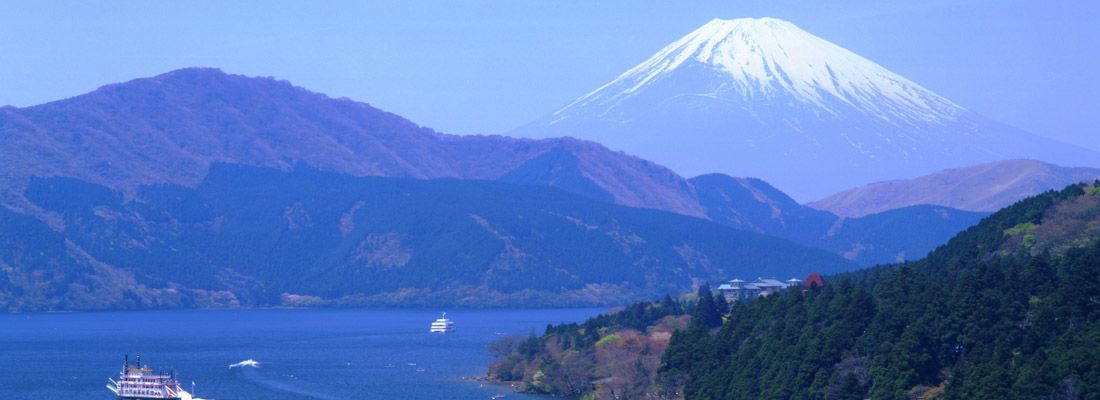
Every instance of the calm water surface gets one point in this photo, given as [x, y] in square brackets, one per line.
[304, 354]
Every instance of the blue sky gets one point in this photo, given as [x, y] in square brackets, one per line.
[489, 66]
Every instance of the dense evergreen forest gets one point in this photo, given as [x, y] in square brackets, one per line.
[1009, 309]
[250, 236]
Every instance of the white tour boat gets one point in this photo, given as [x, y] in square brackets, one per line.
[139, 382]
[442, 325]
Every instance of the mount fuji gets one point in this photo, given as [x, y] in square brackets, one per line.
[764, 98]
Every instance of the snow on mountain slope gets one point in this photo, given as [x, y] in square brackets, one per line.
[762, 97]
[765, 57]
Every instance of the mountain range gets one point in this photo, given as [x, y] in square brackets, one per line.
[172, 127]
[252, 236]
[986, 187]
[136, 195]
[904, 233]
[764, 98]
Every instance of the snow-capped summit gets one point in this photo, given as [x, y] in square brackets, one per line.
[762, 97]
[768, 57]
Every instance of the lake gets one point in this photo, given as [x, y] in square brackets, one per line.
[303, 354]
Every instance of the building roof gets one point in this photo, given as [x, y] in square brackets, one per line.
[768, 282]
[814, 279]
[747, 286]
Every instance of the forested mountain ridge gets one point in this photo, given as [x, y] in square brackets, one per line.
[170, 128]
[1008, 309]
[906, 233]
[988, 315]
[249, 236]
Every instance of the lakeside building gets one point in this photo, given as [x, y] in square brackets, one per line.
[737, 289]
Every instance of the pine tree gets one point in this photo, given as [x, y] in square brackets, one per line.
[706, 311]
[721, 305]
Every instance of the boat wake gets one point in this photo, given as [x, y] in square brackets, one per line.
[246, 363]
[255, 376]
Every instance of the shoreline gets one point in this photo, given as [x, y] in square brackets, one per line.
[512, 386]
[268, 308]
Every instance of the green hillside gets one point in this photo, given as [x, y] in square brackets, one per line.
[1009, 309]
[249, 236]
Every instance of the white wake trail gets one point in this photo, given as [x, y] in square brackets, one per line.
[246, 363]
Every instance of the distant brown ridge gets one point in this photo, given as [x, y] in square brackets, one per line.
[983, 187]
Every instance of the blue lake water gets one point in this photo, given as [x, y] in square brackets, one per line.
[303, 354]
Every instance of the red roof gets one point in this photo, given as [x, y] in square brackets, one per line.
[813, 279]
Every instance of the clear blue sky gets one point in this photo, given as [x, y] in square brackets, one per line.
[489, 66]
